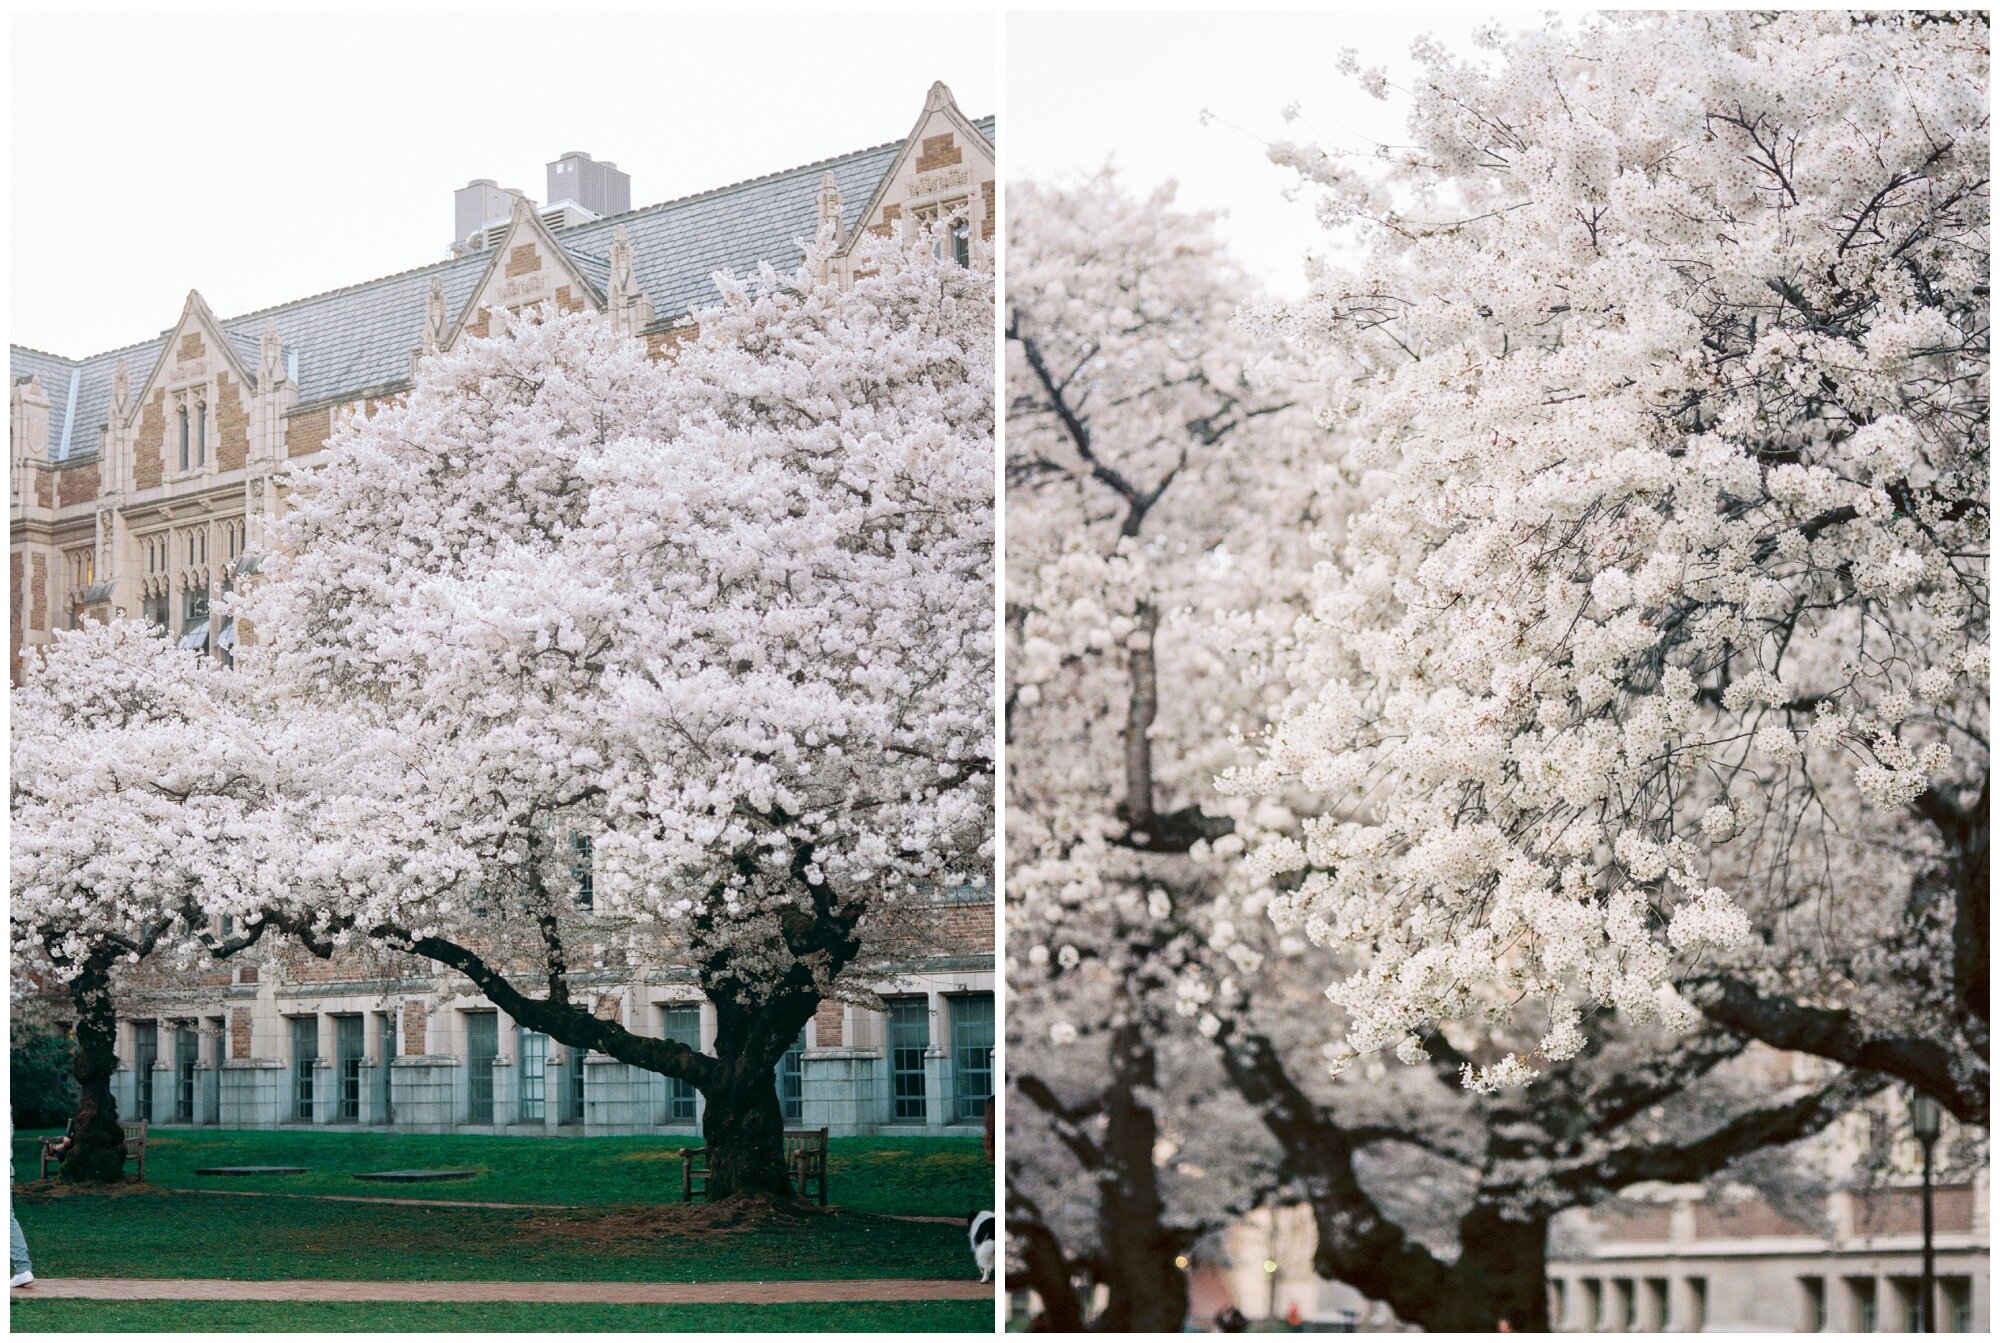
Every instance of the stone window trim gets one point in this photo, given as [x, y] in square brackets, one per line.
[188, 432]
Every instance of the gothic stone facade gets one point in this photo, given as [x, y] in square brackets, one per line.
[145, 482]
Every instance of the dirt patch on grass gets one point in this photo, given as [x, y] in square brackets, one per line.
[667, 1221]
[50, 1190]
[668, 1154]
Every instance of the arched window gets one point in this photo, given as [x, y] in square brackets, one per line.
[184, 435]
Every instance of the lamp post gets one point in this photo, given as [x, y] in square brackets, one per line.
[1926, 1119]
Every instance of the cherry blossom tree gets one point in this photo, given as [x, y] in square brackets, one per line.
[154, 807]
[715, 632]
[1168, 1046]
[1151, 488]
[1652, 679]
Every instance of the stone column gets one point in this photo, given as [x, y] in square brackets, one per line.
[937, 1071]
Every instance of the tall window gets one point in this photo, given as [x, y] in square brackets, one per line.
[482, 1046]
[1861, 1305]
[534, 1076]
[1698, 1305]
[145, 1054]
[183, 418]
[200, 431]
[572, 1111]
[683, 1025]
[194, 618]
[1812, 1294]
[187, 1051]
[972, 1053]
[961, 242]
[1957, 1312]
[385, 1095]
[305, 1054]
[1909, 1303]
[909, 1038]
[580, 873]
[792, 1081]
[348, 1054]
[1621, 1304]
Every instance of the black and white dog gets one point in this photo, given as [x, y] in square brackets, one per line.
[979, 1226]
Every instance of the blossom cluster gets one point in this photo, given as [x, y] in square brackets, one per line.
[1666, 349]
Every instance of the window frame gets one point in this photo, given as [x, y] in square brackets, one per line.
[959, 1026]
[904, 1013]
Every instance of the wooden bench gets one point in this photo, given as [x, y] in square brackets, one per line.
[805, 1162]
[135, 1147]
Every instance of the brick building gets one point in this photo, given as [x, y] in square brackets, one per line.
[1685, 1263]
[144, 482]
[1689, 1258]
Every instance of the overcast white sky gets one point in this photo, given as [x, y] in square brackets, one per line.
[262, 157]
[1084, 87]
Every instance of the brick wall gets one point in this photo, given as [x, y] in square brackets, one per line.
[986, 193]
[890, 214]
[190, 347]
[1653, 1223]
[1899, 1212]
[968, 926]
[38, 592]
[416, 1027]
[939, 151]
[308, 431]
[239, 1032]
[45, 486]
[232, 425]
[663, 344]
[523, 260]
[78, 484]
[827, 1022]
[148, 460]
[1743, 1220]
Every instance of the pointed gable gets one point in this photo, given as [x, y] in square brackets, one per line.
[195, 350]
[946, 164]
[528, 267]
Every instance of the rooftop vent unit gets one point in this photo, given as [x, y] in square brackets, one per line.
[597, 189]
[566, 214]
[481, 210]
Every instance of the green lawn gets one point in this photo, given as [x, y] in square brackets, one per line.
[135, 1233]
[911, 1176]
[390, 1317]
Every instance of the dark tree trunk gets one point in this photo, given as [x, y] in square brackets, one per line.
[1147, 1290]
[744, 1128]
[1049, 1277]
[742, 1122]
[1500, 1277]
[98, 1156]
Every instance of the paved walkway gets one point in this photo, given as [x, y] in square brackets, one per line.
[462, 1203]
[577, 1293]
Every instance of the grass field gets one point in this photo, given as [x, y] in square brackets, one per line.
[946, 1177]
[26, 1315]
[624, 1223]
[137, 1234]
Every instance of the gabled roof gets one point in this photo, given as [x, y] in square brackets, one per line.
[525, 220]
[358, 339]
[937, 102]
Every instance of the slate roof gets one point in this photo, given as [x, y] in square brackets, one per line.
[352, 340]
